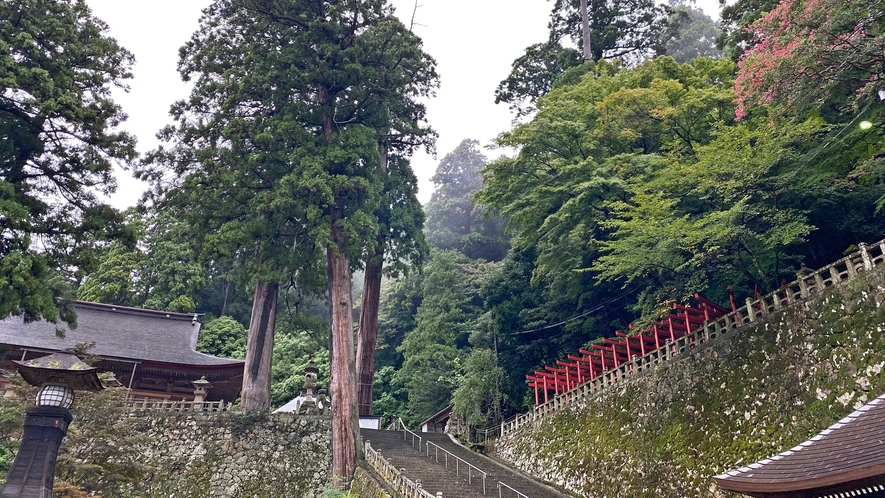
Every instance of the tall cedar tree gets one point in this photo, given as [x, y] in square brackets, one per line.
[276, 158]
[401, 128]
[57, 68]
[628, 30]
[454, 221]
[399, 241]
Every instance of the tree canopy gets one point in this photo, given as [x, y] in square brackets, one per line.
[60, 142]
[625, 30]
[454, 221]
[808, 52]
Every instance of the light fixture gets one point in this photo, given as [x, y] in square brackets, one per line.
[53, 395]
[33, 471]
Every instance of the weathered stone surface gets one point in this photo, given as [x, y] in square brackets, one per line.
[740, 399]
[236, 455]
[365, 486]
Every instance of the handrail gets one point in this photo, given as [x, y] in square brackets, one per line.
[806, 284]
[392, 476]
[407, 431]
[458, 462]
[500, 491]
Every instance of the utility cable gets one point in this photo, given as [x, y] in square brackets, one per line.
[585, 313]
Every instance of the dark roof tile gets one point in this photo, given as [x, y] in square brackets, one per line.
[851, 449]
[118, 332]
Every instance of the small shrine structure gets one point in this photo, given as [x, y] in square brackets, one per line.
[847, 459]
[153, 353]
[438, 421]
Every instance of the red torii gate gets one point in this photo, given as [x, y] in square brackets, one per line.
[612, 352]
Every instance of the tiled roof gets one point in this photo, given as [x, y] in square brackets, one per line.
[118, 332]
[850, 450]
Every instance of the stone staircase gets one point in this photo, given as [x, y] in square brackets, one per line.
[453, 479]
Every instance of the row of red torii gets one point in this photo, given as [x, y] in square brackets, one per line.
[624, 347]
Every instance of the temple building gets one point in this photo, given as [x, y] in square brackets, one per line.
[153, 353]
[847, 459]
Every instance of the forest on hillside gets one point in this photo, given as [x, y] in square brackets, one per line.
[674, 155]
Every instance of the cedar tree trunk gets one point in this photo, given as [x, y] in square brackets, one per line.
[259, 348]
[367, 336]
[368, 331]
[345, 421]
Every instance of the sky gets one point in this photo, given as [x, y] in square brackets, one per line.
[473, 41]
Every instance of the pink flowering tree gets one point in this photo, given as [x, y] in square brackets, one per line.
[806, 51]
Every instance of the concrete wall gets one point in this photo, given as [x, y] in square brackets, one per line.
[746, 397]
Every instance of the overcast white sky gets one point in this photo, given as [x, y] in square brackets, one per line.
[473, 42]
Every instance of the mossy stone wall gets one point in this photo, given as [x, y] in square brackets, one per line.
[365, 485]
[750, 395]
[236, 455]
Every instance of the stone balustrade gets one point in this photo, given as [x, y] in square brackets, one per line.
[153, 405]
[807, 283]
[393, 477]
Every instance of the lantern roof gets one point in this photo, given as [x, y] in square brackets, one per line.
[63, 369]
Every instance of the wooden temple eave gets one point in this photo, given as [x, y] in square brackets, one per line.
[150, 378]
[869, 481]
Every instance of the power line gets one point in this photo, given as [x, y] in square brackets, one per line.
[592, 310]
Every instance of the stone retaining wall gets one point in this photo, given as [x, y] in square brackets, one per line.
[365, 485]
[236, 455]
[768, 387]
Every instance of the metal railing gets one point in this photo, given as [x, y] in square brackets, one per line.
[459, 462]
[393, 477]
[147, 404]
[407, 432]
[501, 494]
[807, 283]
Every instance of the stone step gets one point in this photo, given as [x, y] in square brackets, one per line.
[417, 467]
[452, 481]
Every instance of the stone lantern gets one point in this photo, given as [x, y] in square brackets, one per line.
[310, 382]
[58, 375]
[310, 378]
[201, 387]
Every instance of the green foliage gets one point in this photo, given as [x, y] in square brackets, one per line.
[309, 174]
[690, 32]
[690, 225]
[628, 30]
[577, 152]
[292, 353]
[399, 304]
[157, 271]
[735, 20]
[534, 74]
[224, 337]
[12, 411]
[98, 455]
[478, 399]
[454, 222]
[329, 492]
[440, 308]
[57, 119]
